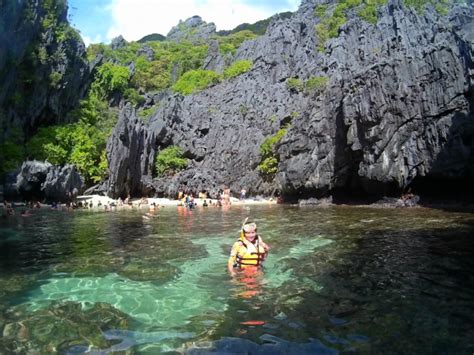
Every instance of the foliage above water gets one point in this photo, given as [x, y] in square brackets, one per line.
[82, 143]
[170, 161]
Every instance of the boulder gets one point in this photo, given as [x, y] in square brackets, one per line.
[41, 180]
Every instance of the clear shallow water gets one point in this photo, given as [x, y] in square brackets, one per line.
[337, 279]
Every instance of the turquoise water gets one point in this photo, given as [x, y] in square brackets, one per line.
[337, 279]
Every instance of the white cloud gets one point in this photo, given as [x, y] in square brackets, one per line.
[88, 40]
[134, 19]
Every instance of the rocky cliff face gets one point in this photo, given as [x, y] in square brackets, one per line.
[43, 67]
[194, 29]
[396, 105]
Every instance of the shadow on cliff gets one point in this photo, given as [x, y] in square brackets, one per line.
[450, 181]
[447, 185]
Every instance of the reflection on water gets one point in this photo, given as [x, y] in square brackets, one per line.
[337, 279]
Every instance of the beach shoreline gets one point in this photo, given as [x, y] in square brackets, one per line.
[98, 200]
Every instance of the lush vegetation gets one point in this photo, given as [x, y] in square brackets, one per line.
[170, 160]
[329, 25]
[239, 67]
[268, 166]
[81, 143]
[195, 80]
[110, 79]
[125, 72]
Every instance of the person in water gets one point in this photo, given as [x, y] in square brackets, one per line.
[249, 251]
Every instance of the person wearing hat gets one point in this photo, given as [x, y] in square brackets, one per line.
[249, 251]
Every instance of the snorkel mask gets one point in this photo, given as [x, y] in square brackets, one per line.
[246, 228]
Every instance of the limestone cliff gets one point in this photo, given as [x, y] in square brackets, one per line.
[392, 104]
[43, 66]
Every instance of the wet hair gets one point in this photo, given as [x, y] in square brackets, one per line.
[249, 227]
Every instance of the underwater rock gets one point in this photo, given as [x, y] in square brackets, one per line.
[59, 327]
[139, 272]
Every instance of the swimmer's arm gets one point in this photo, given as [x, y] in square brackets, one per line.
[232, 258]
[263, 244]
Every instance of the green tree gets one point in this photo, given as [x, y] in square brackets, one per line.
[110, 78]
[79, 143]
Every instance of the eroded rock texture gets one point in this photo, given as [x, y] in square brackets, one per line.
[396, 106]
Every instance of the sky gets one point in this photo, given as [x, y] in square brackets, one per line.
[102, 20]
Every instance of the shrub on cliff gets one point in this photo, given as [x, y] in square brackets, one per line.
[268, 166]
[196, 80]
[230, 43]
[239, 67]
[294, 84]
[170, 161]
[316, 83]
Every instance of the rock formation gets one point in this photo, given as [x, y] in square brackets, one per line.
[395, 105]
[41, 180]
[194, 29]
[43, 70]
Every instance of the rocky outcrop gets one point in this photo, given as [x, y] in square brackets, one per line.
[395, 104]
[41, 180]
[43, 69]
[118, 42]
[147, 52]
[126, 154]
[215, 61]
[194, 30]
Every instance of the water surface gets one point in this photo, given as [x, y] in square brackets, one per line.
[337, 279]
